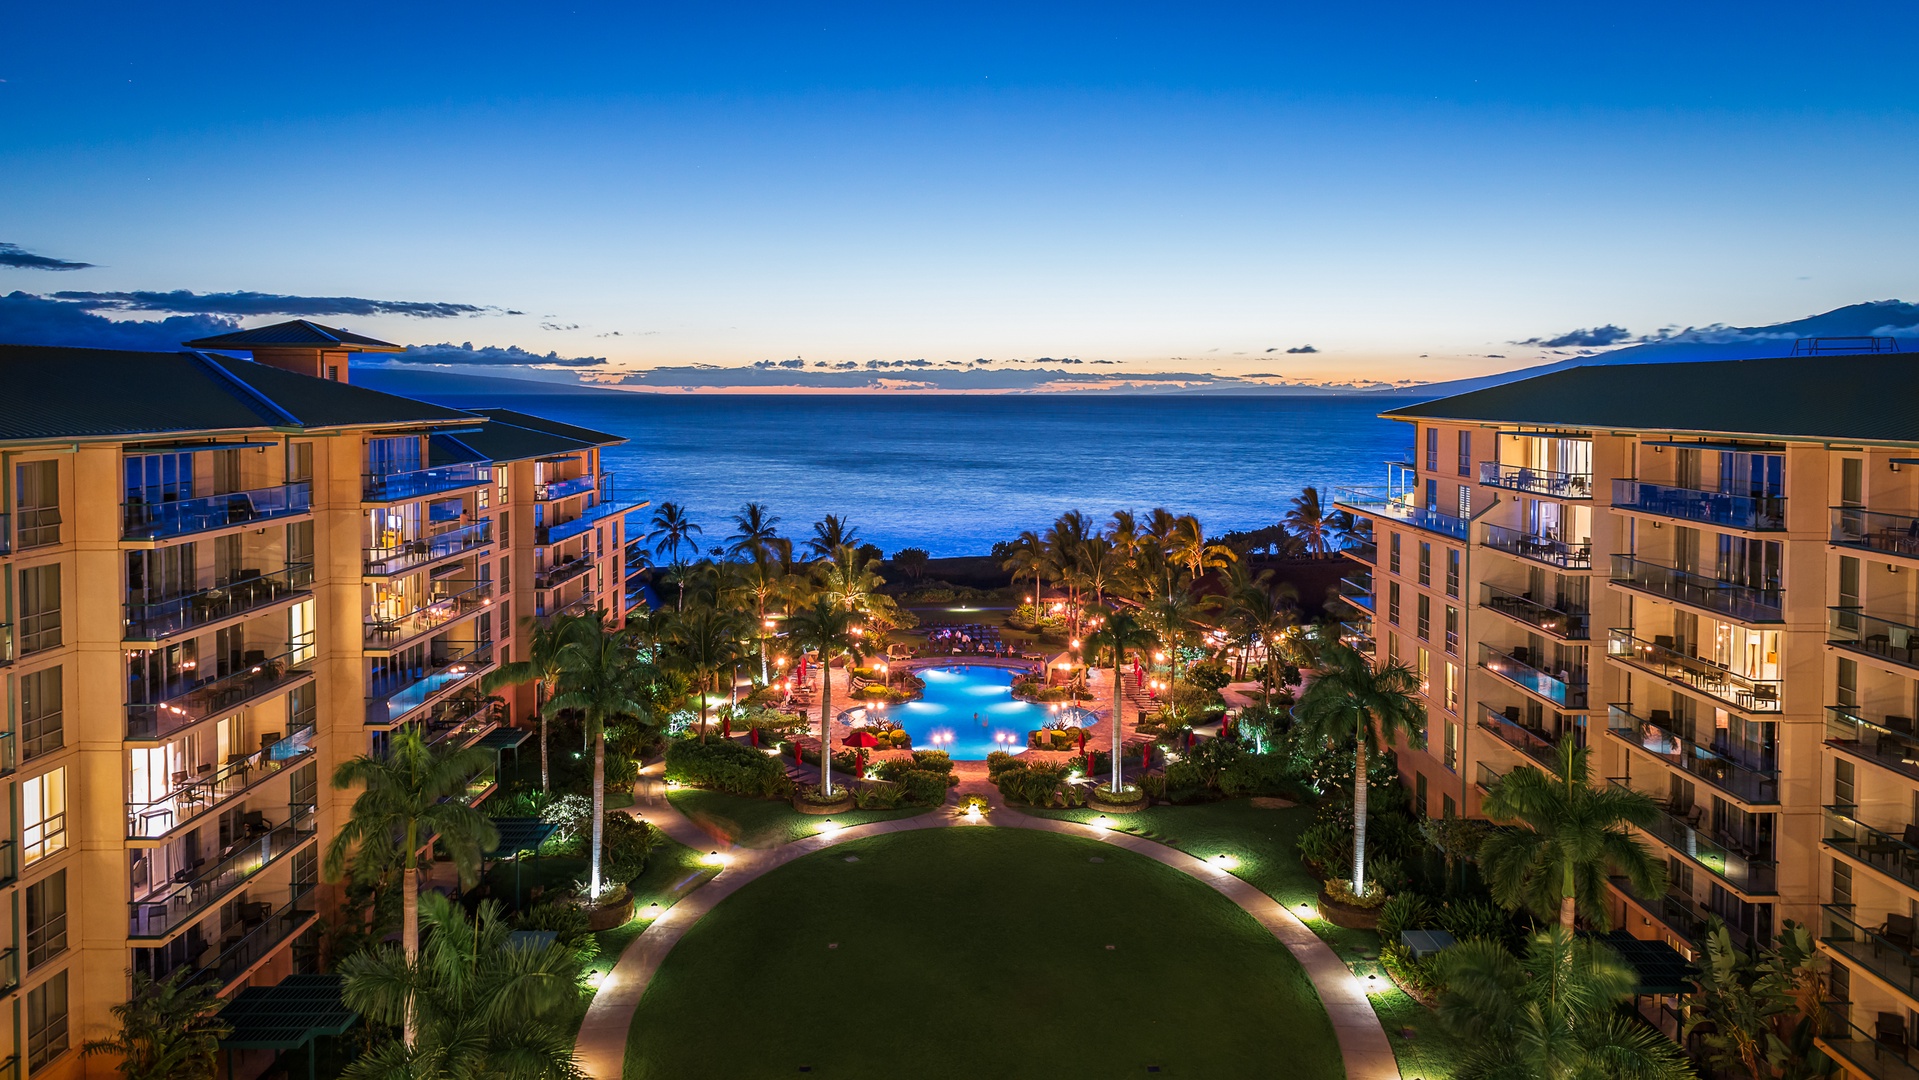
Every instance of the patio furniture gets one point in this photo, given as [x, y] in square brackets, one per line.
[1897, 930]
[1889, 1030]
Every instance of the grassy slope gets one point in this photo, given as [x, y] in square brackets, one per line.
[766, 823]
[979, 953]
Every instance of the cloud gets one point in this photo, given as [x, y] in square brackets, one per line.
[26, 319]
[20, 258]
[559, 326]
[1300, 350]
[484, 356]
[1597, 336]
[187, 302]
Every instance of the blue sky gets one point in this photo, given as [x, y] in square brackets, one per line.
[1406, 188]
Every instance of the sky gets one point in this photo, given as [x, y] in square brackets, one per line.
[668, 195]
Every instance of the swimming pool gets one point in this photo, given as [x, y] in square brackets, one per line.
[971, 703]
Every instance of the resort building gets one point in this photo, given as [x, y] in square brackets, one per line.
[1707, 573]
[223, 577]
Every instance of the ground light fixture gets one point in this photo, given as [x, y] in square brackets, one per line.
[1102, 822]
[1225, 862]
[829, 826]
[972, 812]
[714, 858]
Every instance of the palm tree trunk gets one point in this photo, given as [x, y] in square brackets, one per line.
[826, 722]
[1359, 817]
[546, 772]
[1567, 903]
[1118, 659]
[410, 921]
[599, 805]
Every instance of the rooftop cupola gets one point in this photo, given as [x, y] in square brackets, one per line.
[301, 346]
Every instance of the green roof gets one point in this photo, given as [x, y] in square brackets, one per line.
[287, 1015]
[1864, 398]
[552, 427]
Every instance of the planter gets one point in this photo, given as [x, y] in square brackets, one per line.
[839, 805]
[608, 916]
[1105, 806]
[1350, 916]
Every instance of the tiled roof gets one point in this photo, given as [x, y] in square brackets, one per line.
[553, 427]
[499, 441]
[296, 333]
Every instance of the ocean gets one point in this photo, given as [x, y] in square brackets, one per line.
[954, 474]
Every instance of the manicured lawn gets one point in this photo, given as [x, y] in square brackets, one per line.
[1433, 1053]
[973, 953]
[766, 823]
[672, 871]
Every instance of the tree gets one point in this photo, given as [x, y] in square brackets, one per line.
[601, 678]
[1310, 522]
[484, 1004]
[849, 578]
[672, 536]
[830, 534]
[1759, 1013]
[755, 528]
[1188, 547]
[912, 562]
[1262, 610]
[169, 1030]
[1574, 836]
[1172, 615]
[1551, 1014]
[829, 628]
[1028, 556]
[1351, 698]
[406, 798]
[707, 640]
[544, 640]
[1119, 634]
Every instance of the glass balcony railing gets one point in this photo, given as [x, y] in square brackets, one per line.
[1740, 603]
[1551, 550]
[172, 706]
[1678, 911]
[584, 604]
[1851, 628]
[1750, 872]
[481, 785]
[393, 695]
[1555, 485]
[1889, 742]
[1868, 1055]
[156, 619]
[1566, 689]
[398, 556]
[1362, 548]
[1357, 634]
[9, 862]
[1716, 680]
[451, 600]
[1755, 513]
[1485, 775]
[196, 889]
[1400, 507]
[560, 573]
[1563, 620]
[1507, 729]
[1718, 766]
[391, 487]
[256, 940]
[1872, 530]
[1357, 594]
[1895, 856]
[566, 530]
[190, 798]
[460, 718]
[560, 489]
[1867, 945]
[145, 520]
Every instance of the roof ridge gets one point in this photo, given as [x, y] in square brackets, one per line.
[247, 388]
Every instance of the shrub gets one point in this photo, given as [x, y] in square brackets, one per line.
[998, 762]
[1406, 911]
[924, 786]
[1469, 919]
[936, 760]
[878, 796]
[1327, 846]
[625, 845]
[1389, 871]
[571, 813]
[565, 920]
[900, 739]
[1417, 977]
[724, 765]
[1257, 774]
[1208, 675]
[1341, 891]
[1101, 764]
[1185, 782]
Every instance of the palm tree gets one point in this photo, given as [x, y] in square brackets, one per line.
[673, 533]
[169, 1030]
[602, 679]
[1575, 835]
[1028, 556]
[1552, 1013]
[830, 534]
[1119, 634]
[484, 1003]
[544, 640]
[707, 640]
[1350, 697]
[829, 628]
[1188, 547]
[765, 578]
[1310, 522]
[1172, 616]
[406, 798]
[912, 562]
[849, 579]
[1098, 562]
[1263, 610]
[754, 530]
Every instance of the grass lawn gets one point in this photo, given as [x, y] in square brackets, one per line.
[978, 952]
[672, 871]
[1433, 1053]
[766, 823]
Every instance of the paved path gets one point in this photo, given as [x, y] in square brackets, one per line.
[601, 1049]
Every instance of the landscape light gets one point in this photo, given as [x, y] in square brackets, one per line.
[1102, 822]
[829, 826]
[972, 811]
[714, 858]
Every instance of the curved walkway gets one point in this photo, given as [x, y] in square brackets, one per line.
[601, 1048]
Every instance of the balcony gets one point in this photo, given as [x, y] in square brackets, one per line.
[1869, 947]
[1715, 765]
[1658, 657]
[583, 604]
[1740, 603]
[390, 697]
[6, 643]
[1356, 594]
[1850, 628]
[193, 798]
[560, 573]
[1554, 485]
[182, 703]
[451, 600]
[1363, 549]
[1505, 727]
[159, 619]
[567, 530]
[1753, 513]
[1888, 742]
[394, 487]
[1871, 530]
[1864, 1055]
[144, 520]
[193, 892]
[461, 718]
[1357, 634]
[1897, 857]
[1747, 871]
[1400, 507]
[1485, 776]
[1686, 917]
[400, 556]
[1567, 690]
[1564, 622]
[1551, 550]
[481, 785]
[259, 936]
[560, 489]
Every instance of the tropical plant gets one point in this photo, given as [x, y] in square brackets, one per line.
[406, 798]
[483, 1004]
[755, 529]
[1571, 836]
[1350, 698]
[1309, 520]
[1120, 633]
[1188, 547]
[705, 640]
[848, 578]
[1028, 556]
[602, 680]
[912, 562]
[1262, 611]
[544, 639]
[1757, 1014]
[673, 535]
[830, 534]
[831, 630]
[1551, 1014]
[169, 1030]
[1173, 615]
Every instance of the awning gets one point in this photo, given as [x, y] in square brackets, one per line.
[288, 1015]
[504, 738]
[1661, 969]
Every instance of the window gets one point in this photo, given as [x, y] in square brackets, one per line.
[1465, 453]
[1452, 572]
[37, 499]
[299, 462]
[47, 1021]
[39, 602]
[1843, 791]
[389, 457]
[1465, 501]
[43, 814]
[42, 730]
[1452, 687]
[1848, 688]
[1425, 563]
[1852, 483]
[1392, 648]
[1419, 794]
[1392, 602]
[1452, 629]
[1432, 449]
[46, 919]
[1425, 617]
[1425, 671]
[506, 528]
[300, 632]
[1432, 495]
[1452, 749]
[1392, 552]
[1841, 883]
[1446, 806]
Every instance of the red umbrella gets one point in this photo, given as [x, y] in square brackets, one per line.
[753, 736]
[860, 739]
[726, 727]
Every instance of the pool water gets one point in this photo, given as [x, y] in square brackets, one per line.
[971, 703]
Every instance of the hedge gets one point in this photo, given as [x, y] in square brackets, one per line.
[724, 765]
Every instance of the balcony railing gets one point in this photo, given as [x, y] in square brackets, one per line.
[1872, 530]
[1680, 913]
[193, 798]
[145, 520]
[1889, 742]
[1356, 594]
[1485, 775]
[1534, 744]
[393, 558]
[1754, 513]
[1851, 628]
[183, 702]
[1400, 507]
[481, 785]
[1868, 947]
[1747, 871]
[1741, 603]
[1567, 689]
[237, 954]
[1556, 485]
[1895, 856]
[1565, 622]
[1716, 680]
[560, 489]
[1363, 549]
[195, 890]
[583, 604]
[1357, 634]
[1717, 766]
[460, 717]
[391, 697]
[566, 530]
[561, 573]
[1865, 1054]
[391, 487]
[1550, 550]
[156, 619]
[451, 600]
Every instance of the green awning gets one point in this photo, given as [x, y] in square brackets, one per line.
[504, 738]
[288, 1015]
[519, 834]
[1661, 969]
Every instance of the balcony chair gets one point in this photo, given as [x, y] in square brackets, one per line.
[1889, 1031]
[1512, 713]
[1662, 641]
[1897, 931]
[1900, 724]
[256, 823]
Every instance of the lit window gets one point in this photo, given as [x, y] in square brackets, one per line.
[43, 809]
